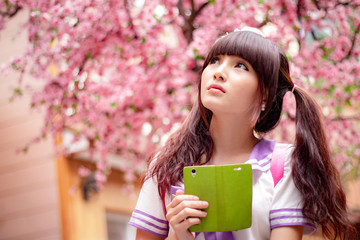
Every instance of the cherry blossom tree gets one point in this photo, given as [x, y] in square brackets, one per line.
[123, 73]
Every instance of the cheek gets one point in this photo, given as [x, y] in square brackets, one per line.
[255, 91]
[203, 81]
[247, 95]
[253, 86]
[247, 87]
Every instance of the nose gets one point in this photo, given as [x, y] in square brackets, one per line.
[220, 73]
[219, 76]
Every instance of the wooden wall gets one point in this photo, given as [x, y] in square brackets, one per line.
[87, 219]
[29, 205]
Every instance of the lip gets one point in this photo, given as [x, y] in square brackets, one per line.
[216, 87]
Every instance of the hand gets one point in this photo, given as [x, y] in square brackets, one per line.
[183, 212]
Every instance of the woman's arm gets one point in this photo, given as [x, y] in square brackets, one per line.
[182, 212]
[143, 235]
[285, 233]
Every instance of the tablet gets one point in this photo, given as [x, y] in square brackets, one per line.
[227, 189]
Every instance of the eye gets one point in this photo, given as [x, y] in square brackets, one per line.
[214, 60]
[242, 66]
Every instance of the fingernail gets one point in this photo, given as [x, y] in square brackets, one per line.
[205, 204]
[196, 198]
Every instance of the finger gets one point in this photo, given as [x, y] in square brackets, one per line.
[181, 229]
[179, 192]
[181, 197]
[185, 210]
[189, 213]
[197, 204]
[183, 202]
[190, 222]
[187, 223]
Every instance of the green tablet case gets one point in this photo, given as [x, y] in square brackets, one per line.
[227, 189]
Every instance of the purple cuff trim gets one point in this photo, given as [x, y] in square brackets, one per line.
[275, 218]
[286, 210]
[173, 190]
[147, 230]
[218, 235]
[150, 216]
[151, 224]
[293, 224]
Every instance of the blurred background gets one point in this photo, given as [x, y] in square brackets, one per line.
[90, 88]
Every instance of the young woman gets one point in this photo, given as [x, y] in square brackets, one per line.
[242, 84]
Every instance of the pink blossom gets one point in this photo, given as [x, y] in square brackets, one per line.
[106, 70]
[84, 172]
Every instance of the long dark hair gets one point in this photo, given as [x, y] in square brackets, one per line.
[314, 173]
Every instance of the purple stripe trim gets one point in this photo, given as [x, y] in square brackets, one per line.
[147, 230]
[151, 224]
[265, 163]
[257, 166]
[275, 218]
[286, 210]
[150, 216]
[293, 224]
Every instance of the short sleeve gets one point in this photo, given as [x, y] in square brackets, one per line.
[148, 214]
[286, 209]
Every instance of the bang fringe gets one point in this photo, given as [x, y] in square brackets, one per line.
[235, 45]
[260, 52]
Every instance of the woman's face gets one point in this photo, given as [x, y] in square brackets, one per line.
[229, 84]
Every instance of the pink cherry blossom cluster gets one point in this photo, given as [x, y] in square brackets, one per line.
[110, 68]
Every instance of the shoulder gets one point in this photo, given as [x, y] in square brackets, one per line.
[148, 214]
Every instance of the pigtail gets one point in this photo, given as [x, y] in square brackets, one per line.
[314, 173]
[182, 149]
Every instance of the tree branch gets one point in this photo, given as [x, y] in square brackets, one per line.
[197, 12]
[188, 26]
[316, 2]
[356, 32]
[300, 5]
[337, 118]
[11, 14]
[192, 6]
[131, 24]
[338, 3]
[340, 118]
[348, 3]
[180, 6]
[264, 22]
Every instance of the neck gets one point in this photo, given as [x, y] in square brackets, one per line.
[233, 140]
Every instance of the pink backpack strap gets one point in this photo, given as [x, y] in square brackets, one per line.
[277, 162]
[163, 192]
